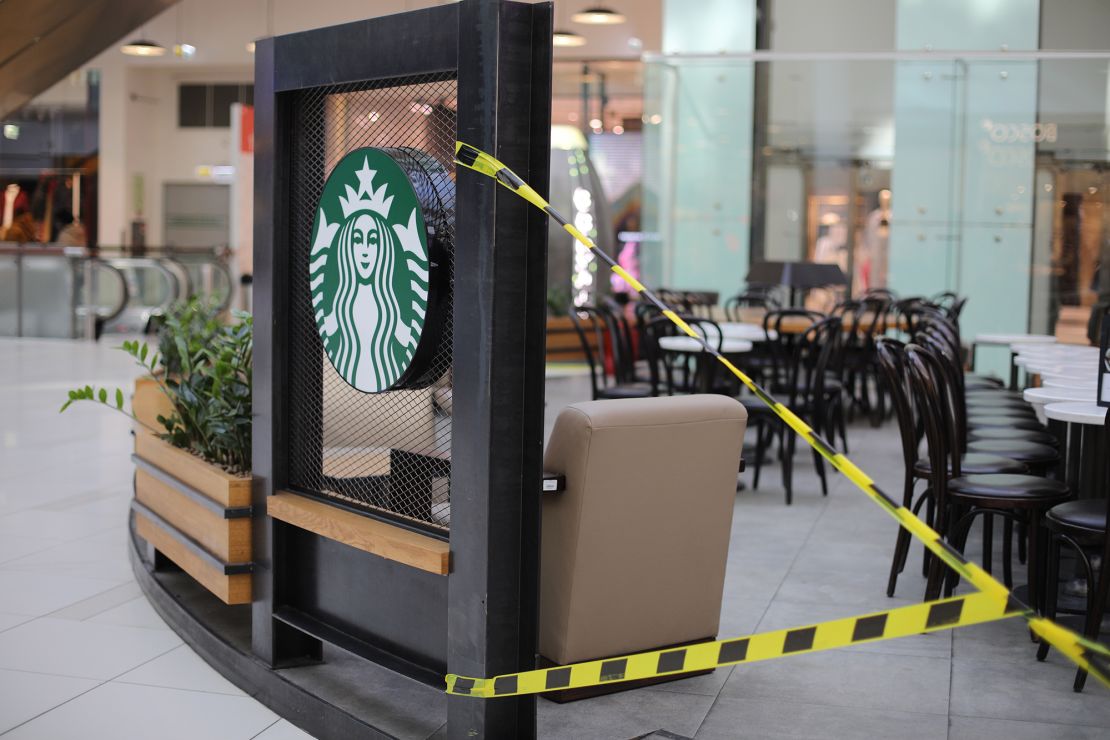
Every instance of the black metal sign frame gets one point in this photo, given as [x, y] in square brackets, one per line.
[481, 619]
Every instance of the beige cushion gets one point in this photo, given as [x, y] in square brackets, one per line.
[634, 550]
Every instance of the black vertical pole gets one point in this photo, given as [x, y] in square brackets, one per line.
[499, 301]
[271, 641]
[761, 99]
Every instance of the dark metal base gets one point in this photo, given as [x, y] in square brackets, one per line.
[220, 634]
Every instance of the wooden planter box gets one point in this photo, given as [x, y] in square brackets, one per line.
[563, 344]
[192, 512]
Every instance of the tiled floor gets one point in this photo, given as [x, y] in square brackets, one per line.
[82, 655]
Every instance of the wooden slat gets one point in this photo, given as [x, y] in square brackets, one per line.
[362, 533]
[227, 539]
[230, 491]
[234, 589]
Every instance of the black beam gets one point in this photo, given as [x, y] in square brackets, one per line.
[273, 642]
[504, 108]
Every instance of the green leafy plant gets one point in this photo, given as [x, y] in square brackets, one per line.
[204, 369]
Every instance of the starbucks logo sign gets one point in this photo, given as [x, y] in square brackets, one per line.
[368, 270]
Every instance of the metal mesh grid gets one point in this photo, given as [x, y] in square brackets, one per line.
[385, 452]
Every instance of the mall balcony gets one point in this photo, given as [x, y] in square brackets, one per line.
[427, 369]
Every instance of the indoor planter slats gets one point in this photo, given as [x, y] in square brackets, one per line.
[194, 513]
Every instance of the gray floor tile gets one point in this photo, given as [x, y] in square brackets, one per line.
[1037, 692]
[982, 728]
[624, 715]
[875, 681]
[770, 719]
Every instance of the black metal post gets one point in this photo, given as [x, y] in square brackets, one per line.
[272, 641]
[499, 362]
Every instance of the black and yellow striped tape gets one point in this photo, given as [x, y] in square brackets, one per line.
[901, 622]
[1087, 654]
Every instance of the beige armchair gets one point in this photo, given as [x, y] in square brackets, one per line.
[634, 550]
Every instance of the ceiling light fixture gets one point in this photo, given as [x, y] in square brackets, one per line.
[598, 15]
[567, 38]
[141, 47]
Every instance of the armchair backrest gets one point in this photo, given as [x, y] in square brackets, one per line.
[634, 550]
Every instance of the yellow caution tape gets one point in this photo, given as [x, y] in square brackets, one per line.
[1087, 654]
[907, 620]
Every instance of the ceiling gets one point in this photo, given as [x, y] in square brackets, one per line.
[44, 40]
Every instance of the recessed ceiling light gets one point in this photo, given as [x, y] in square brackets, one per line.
[250, 47]
[567, 38]
[598, 16]
[143, 48]
[184, 50]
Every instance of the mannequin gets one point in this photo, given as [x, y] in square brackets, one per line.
[875, 245]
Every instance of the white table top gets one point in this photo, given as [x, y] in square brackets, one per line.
[1043, 395]
[1014, 339]
[1076, 412]
[751, 332]
[689, 344]
[1079, 370]
[1062, 358]
[1060, 382]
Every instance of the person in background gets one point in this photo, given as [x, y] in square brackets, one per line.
[22, 229]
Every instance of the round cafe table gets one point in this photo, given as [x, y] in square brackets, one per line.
[705, 366]
[1007, 340]
[1084, 420]
[749, 332]
[1038, 398]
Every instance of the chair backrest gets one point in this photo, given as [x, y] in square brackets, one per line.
[892, 360]
[591, 322]
[734, 306]
[933, 404]
[646, 480]
[662, 366]
[780, 349]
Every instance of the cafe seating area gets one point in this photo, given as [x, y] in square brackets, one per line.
[1012, 472]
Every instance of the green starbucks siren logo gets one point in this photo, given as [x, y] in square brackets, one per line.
[368, 270]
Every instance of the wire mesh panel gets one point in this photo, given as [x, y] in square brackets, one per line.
[390, 452]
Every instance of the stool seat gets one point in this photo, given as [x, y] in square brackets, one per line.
[989, 404]
[1027, 452]
[1006, 422]
[1043, 437]
[980, 393]
[974, 462]
[1088, 515]
[1008, 488]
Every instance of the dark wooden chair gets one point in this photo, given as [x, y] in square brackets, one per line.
[962, 497]
[605, 384]
[891, 357]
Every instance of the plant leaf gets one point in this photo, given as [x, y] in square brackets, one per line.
[103, 395]
[119, 398]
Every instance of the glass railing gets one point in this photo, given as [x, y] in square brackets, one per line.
[70, 292]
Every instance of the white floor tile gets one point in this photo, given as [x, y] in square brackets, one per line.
[27, 695]
[35, 593]
[118, 711]
[284, 730]
[135, 613]
[13, 546]
[83, 649]
[7, 621]
[181, 669]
